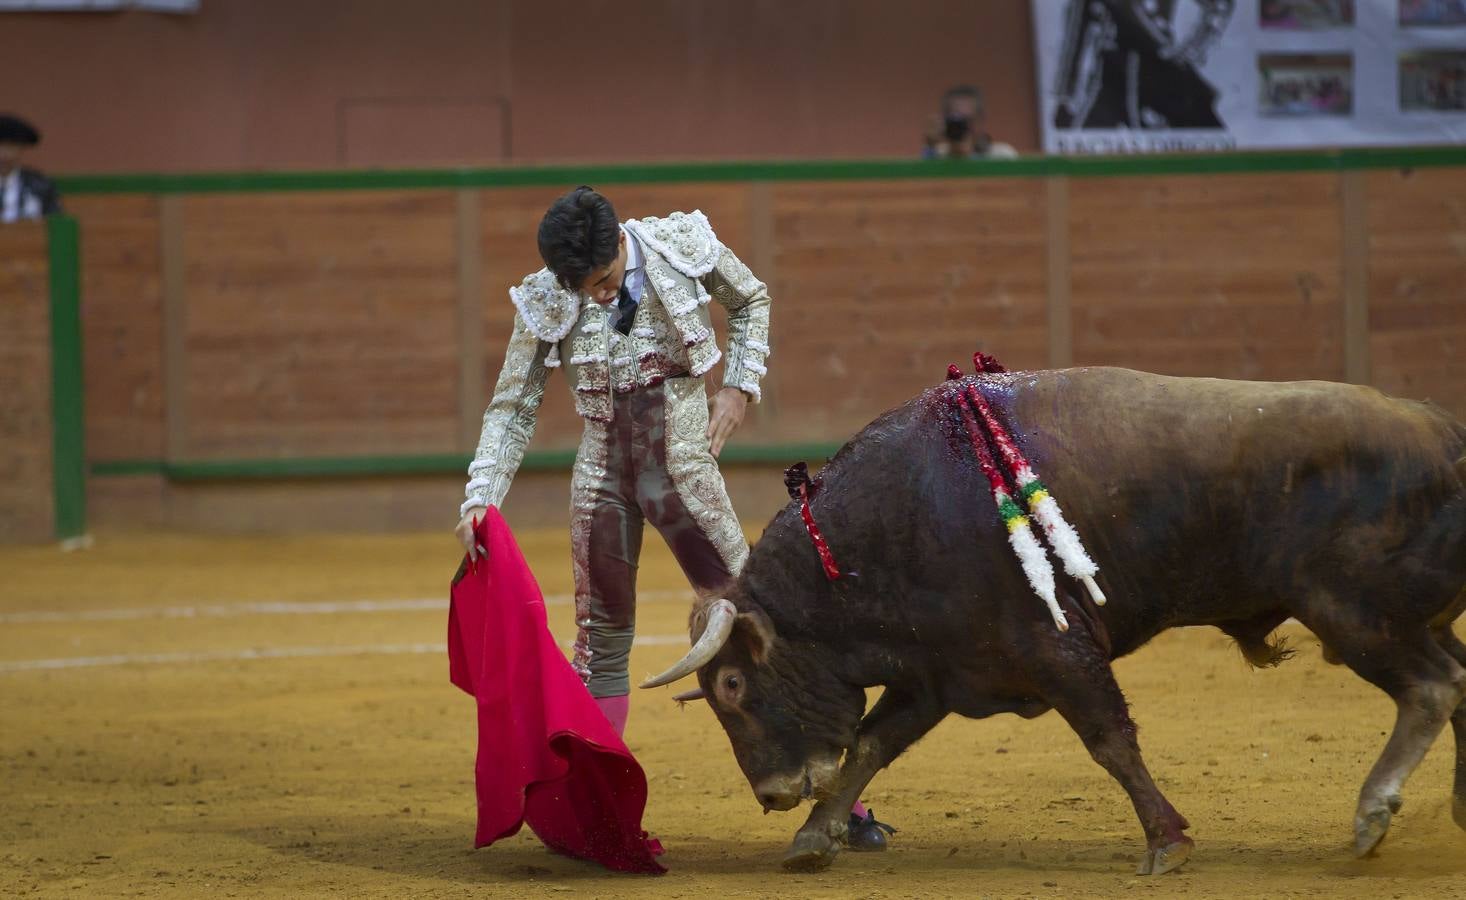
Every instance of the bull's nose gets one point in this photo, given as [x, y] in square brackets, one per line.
[781, 792]
[778, 802]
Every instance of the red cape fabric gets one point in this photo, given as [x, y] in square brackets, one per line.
[546, 754]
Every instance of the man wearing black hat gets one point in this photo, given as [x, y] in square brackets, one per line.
[24, 193]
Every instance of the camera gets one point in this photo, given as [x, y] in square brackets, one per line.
[957, 127]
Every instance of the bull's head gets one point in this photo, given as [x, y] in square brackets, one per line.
[789, 718]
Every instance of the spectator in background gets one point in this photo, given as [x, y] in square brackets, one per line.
[24, 193]
[959, 134]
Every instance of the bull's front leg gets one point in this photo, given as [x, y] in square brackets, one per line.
[898, 720]
[1074, 675]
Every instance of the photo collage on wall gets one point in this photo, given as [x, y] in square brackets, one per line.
[1433, 80]
[1305, 84]
[1322, 84]
[1139, 76]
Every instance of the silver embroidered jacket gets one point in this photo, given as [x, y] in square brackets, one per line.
[686, 266]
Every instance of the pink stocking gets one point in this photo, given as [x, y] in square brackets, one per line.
[616, 710]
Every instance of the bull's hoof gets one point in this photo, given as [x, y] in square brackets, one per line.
[1160, 860]
[1369, 830]
[811, 852]
[1458, 811]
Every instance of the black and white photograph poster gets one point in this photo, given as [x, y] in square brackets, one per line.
[1159, 76]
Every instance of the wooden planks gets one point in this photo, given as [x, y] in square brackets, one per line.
[321, 324]
[1059, 281]
[175, 327]
[373, 323]
[1417, 284]
[1233, 276]
[1354, 231]
[25, 371]
[122, 325]
[471, 389]
[881, 284]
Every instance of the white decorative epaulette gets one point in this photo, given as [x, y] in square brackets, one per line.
[686, 240]
[548, 309]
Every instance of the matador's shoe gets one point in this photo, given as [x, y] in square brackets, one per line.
[867, 835]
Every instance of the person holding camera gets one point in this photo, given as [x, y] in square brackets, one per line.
[24, 193]
[958, 133]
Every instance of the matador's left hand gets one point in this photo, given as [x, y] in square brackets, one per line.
[725, 415]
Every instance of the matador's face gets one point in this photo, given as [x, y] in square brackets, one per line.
[602, 285]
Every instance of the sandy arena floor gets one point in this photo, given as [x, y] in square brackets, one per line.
[245, 724]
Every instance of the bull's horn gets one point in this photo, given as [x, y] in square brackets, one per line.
[689, 696]
[714, 636]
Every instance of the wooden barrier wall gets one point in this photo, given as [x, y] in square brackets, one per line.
[1417, 284]
[265, 326]
[27, 512]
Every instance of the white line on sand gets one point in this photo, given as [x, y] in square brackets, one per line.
[278, 608]
[182, 658]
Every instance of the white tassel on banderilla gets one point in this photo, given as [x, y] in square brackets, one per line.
[1041, 504]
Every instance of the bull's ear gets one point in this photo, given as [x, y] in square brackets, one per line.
[756, 632]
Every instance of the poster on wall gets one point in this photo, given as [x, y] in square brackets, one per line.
[1157, 76]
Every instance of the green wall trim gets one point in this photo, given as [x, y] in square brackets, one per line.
[116, 468]
[806, 170]
[68, 431]
[386, 466]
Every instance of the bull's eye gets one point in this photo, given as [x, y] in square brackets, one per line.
[730, 686]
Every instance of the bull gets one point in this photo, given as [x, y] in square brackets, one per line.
[1231, 504]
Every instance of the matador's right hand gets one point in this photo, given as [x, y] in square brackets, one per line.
[465, 530]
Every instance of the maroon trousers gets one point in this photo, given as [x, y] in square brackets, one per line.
[649, 464]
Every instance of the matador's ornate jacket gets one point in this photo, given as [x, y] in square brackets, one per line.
[686, 267]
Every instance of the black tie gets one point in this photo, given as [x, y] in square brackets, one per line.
[627, 308]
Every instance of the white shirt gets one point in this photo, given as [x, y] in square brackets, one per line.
[15, 205]
[10, 197]
[635, 266]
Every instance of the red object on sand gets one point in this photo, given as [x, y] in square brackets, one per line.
[547, 756]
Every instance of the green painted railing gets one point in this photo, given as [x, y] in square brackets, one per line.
[812, 170]
[68, 432]
[426, 464]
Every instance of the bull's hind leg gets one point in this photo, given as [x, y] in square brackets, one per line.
[1452, 645]
[1077, 680]
[1427, 685]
